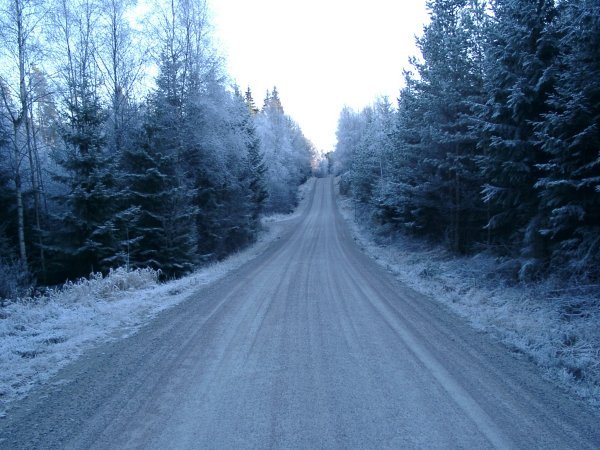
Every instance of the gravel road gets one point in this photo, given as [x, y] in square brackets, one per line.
[310, 345]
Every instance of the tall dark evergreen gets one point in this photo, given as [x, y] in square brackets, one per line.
[495, 140]
[433, 187]
[214, 153]
[569, 136]
[450, 85]
[257, 170]
[518, 79]
[163, 231]
[400, 205]
[255, 160]
[85, 241]
[249, 99]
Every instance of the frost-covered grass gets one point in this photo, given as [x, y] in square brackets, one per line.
[556, 325]
[40, 335]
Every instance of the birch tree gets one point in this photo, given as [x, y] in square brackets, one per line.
[20, 22]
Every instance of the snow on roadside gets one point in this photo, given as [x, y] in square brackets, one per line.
[38, 336]
[556, 327]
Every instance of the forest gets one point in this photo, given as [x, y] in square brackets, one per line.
[494, 144]
[123, 143]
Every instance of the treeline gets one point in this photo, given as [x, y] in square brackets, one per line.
[495, 141]
[122, 144]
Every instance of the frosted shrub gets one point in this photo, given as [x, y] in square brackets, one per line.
[125, 280]
[106, 287]
[14, 281]
[39, 335]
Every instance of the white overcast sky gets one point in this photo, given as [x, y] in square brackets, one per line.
[321, 54]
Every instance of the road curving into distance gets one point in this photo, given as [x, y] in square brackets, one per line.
[310, 345]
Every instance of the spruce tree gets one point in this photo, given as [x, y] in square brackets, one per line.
[443, 186]
[85, 242]
[255, 160]
[521, 49]
[250, 102]
[569, 134]
[167, 238]
[161, 233]
[257, 172]
[399, 204]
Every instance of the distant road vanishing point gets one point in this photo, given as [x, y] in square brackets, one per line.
[310, 345]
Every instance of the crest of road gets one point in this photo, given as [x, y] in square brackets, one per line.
[309, 345]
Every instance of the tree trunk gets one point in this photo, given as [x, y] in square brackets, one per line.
[23, 120]
[20, 208]
[36, 185]
[457, 243]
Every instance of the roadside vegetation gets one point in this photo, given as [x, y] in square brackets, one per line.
[123, 143]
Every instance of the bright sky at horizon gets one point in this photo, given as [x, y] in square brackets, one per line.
[321, 54]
